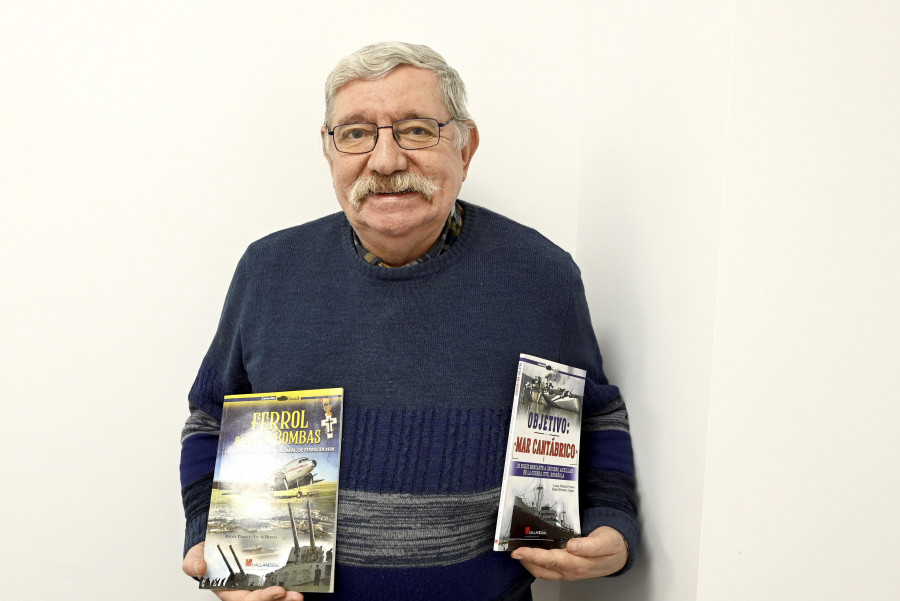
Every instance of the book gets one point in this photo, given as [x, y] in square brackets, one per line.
[273, 511]
[539, 494]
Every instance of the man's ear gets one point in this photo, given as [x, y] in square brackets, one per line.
[468, 151]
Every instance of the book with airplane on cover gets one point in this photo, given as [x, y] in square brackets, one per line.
[539, 495]
[273, 512]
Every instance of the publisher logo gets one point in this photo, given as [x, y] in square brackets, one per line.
[248, 562]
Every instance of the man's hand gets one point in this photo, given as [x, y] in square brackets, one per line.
[601, 553]
[194, 565]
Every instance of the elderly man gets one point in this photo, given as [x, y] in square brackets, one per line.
[417, 304]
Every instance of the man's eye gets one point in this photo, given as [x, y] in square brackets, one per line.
[416, 132]
[355, 134]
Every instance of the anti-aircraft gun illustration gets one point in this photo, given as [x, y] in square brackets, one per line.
[302, 562]
[237, 581]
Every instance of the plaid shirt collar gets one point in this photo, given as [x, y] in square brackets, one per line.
[448, 236]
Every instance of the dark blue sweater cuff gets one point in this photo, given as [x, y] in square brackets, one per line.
[195, 497]
[626, 525]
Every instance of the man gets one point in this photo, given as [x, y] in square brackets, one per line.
[392, 299]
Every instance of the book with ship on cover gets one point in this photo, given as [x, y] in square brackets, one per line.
[539, 495]
[273, 512]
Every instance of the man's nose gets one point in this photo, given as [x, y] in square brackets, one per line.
[387, 157]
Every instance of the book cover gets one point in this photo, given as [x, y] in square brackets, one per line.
[539, 495]
[273, 513]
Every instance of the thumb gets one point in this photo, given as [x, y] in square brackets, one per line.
[577, 546]
[602, 541]
[194, 565]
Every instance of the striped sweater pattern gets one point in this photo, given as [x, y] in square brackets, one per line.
[427, 358]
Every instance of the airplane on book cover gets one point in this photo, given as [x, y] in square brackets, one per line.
[294, 474]
[291, 476]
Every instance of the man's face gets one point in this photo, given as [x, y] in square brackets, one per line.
[397, 222]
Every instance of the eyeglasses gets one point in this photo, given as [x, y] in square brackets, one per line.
[410, 134]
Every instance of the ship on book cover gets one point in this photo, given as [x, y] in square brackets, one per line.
[273, 512]
[539, 495]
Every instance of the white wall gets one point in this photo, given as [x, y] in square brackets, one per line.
[743, 269]
[802, 479]
[648, 239]
[732, 199]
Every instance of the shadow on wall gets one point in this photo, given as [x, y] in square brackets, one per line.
[633, 586]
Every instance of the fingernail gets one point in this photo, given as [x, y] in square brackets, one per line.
[573, 546]
[197, 568]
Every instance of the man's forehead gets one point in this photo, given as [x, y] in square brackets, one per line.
[406, 92]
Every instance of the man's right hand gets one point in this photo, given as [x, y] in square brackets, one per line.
[195, 566]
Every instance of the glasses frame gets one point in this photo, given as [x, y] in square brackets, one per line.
[391, 127]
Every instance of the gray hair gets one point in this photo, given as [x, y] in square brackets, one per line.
[377, 60]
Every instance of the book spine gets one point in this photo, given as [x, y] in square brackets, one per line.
[510, 443]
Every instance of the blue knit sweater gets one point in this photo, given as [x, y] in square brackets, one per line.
[427, 358]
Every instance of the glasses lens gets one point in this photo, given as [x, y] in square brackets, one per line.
[412, 134]
[355, 137]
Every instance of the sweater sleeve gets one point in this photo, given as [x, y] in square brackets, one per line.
[606, 480]
[222, 372]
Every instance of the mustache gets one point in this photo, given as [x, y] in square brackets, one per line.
[404, 181]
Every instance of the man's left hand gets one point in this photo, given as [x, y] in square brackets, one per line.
[601, 553]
